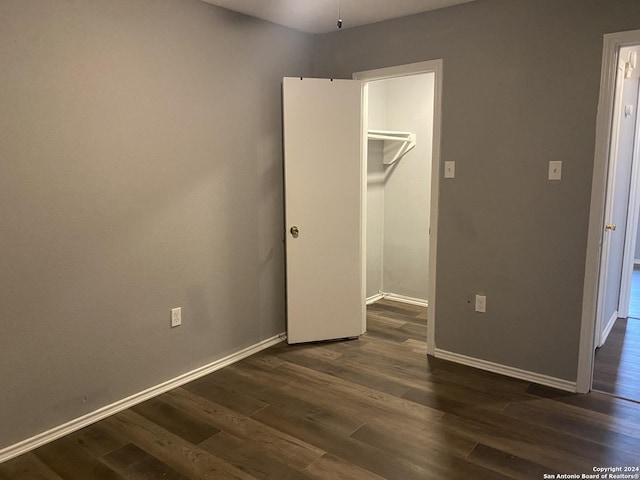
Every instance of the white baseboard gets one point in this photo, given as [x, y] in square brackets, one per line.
[404, 299]
[375, 298]
[106, 411]
[608, 328]
[397, 298]
[508, 371]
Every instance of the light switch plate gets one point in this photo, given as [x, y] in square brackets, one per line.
[555, 170]
[449, 169]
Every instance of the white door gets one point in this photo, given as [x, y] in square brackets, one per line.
[629, 147]
[616, 207]
[323, 172]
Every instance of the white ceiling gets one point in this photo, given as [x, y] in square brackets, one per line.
[321, 16]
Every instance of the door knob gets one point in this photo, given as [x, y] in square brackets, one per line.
[610, 226]
[294, 232]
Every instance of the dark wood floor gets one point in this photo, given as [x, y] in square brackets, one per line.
[634, 303]
[617, 363]
[372, 408]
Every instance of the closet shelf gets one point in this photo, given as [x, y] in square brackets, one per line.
[400, 143]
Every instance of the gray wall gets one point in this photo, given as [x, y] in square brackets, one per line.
[140, 169]
[521, 81]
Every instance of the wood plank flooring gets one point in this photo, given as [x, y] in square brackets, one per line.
[634, 303]
[617, 362]
[367, 409]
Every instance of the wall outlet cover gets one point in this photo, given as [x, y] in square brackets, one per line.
[481, 303]
[176, 317]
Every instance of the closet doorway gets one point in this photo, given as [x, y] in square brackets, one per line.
[402, 120]
[614, 203]
[616, 369]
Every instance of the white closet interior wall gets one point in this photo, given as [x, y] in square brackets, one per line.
[398, 195]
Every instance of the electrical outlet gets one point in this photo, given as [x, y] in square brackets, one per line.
[481, 303]
[176, 317]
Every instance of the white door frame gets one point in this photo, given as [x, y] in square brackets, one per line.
[435, 67]
[612, 44]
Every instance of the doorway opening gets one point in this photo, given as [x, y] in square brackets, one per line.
[400, 112]
[610, 339]
[617, 358]
[401, 116]
[325, 178]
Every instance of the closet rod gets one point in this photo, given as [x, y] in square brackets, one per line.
[376, 136]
